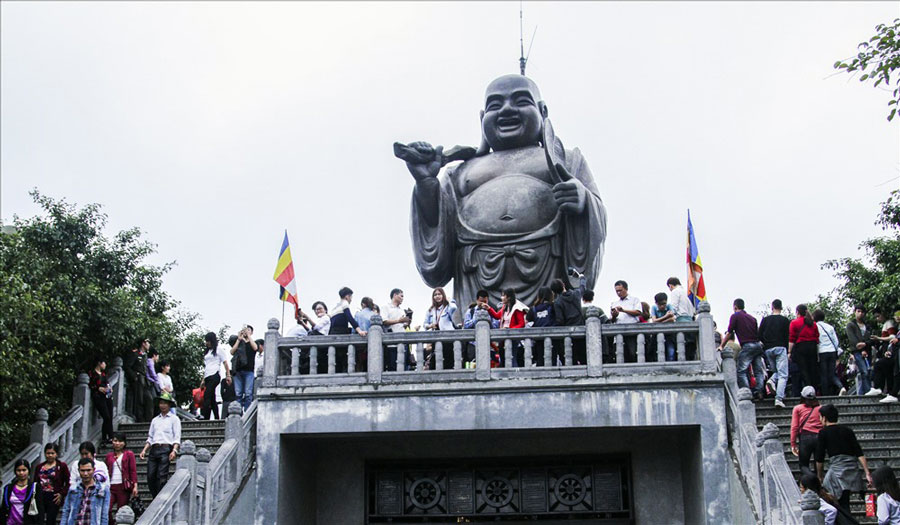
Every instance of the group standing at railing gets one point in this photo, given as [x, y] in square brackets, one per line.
[556, 305]
[805, 352]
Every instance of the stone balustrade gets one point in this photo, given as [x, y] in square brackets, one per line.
[593, 350]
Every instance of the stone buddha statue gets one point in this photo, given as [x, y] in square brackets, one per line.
[515, 213]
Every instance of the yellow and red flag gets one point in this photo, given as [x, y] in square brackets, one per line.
[696, 288]
[284, 274]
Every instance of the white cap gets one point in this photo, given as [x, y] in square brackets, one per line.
[808, 392]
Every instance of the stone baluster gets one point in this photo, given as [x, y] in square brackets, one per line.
[482, 344]
[706, 346]
[529, 356]
[548, 352]
[187, 460]
[204, 485]
[351, 358]
[729, 371]
[457, 355]
[593, 341]
[680, 350]
[295, 361]
[507, 353]
[401, 357]
[375, 343]
[809, 504]
[660, 348]
[118, 391]
[81, 396]
[40, 430]
[767, 443]
[272, 357]
[438, 355]
[332, 356]
[234, 426]
[641, 348]
[125, 516]
[620, 349]
[567, 351]
[420, 357]
[746, 410]
[313, 360]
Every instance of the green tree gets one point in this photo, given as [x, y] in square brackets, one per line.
[873, 280]
[877, 59]
[69, 293]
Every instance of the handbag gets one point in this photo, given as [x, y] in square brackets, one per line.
[137, 506]
[33, 507]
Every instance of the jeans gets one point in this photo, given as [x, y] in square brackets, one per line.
[751, 353]
[243, 388]
[863, 379]
[830, 384]
[778, 358]
[158, 468]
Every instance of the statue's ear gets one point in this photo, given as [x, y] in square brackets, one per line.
[543, 109]
[484, 148]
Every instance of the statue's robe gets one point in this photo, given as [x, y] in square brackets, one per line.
[480, 252]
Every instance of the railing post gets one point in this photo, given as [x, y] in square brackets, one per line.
[125, 516]
[234, 426]
[766, 444]
[706, 341]
[809, 504]
[40, 430]
[593, 342]
[482, 345]
[81, 396]
[272, 354]
[746, 410]
[118, 393]
[729, 371]
[375, 359]
[188, 461]
[202, 484]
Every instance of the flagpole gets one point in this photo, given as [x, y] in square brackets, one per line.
[282, 317]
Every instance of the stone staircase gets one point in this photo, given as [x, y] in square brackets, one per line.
[204, 434]
[877, 427]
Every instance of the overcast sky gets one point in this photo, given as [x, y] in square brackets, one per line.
[216, 126]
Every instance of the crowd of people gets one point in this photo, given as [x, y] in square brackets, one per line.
[557, 304]
[805, 351]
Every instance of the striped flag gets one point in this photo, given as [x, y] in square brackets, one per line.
[284, 274]
[696, 288]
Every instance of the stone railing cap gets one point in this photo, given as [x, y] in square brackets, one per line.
[744, 394]
[234, 409]
[703, 307]
[592, 311]
[482, 315]
[204, 455]
[125, 515]
[117, 363]
[273, 324]
[188, 448]
[376, 320]
[83, 379]
[769, 431]
[727, 353]
[809, 500]
[41, 414]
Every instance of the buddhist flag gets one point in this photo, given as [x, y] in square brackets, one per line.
[284, 274]
[696, 288]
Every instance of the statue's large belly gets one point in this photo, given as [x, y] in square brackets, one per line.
[509, 204]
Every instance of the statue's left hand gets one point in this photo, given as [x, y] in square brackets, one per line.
[570, 196]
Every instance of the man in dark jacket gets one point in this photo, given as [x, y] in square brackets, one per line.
[773, 333]
[860, 335]
[567, 311]
[138, 401]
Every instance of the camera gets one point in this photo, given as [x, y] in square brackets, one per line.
[573, 272]
[408, 313]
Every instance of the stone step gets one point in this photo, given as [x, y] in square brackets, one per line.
[892, 420]
[865, 443]
[875, 408]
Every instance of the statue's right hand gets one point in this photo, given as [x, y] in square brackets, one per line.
[424, 162]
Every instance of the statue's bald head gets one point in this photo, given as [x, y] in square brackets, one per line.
[513, 113]
[508, 83]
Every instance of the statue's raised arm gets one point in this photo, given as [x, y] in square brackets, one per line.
[513, 214]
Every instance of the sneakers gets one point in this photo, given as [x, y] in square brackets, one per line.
[779, 403]
[873, 392]
[843, 392]
[771, 384]
[888, 399]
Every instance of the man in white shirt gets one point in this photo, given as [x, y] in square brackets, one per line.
[163, 441]
[87, 450]
[684, 308]
[627, 310]
[394, 319]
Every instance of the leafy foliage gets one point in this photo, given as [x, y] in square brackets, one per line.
[69, 293]
[873, 281]
[877, 59]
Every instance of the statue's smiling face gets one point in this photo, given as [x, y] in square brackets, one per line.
[512, 118]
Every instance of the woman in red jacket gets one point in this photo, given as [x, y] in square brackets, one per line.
[122, 475]
[511, 315]
[803, 346]
[53, 478]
